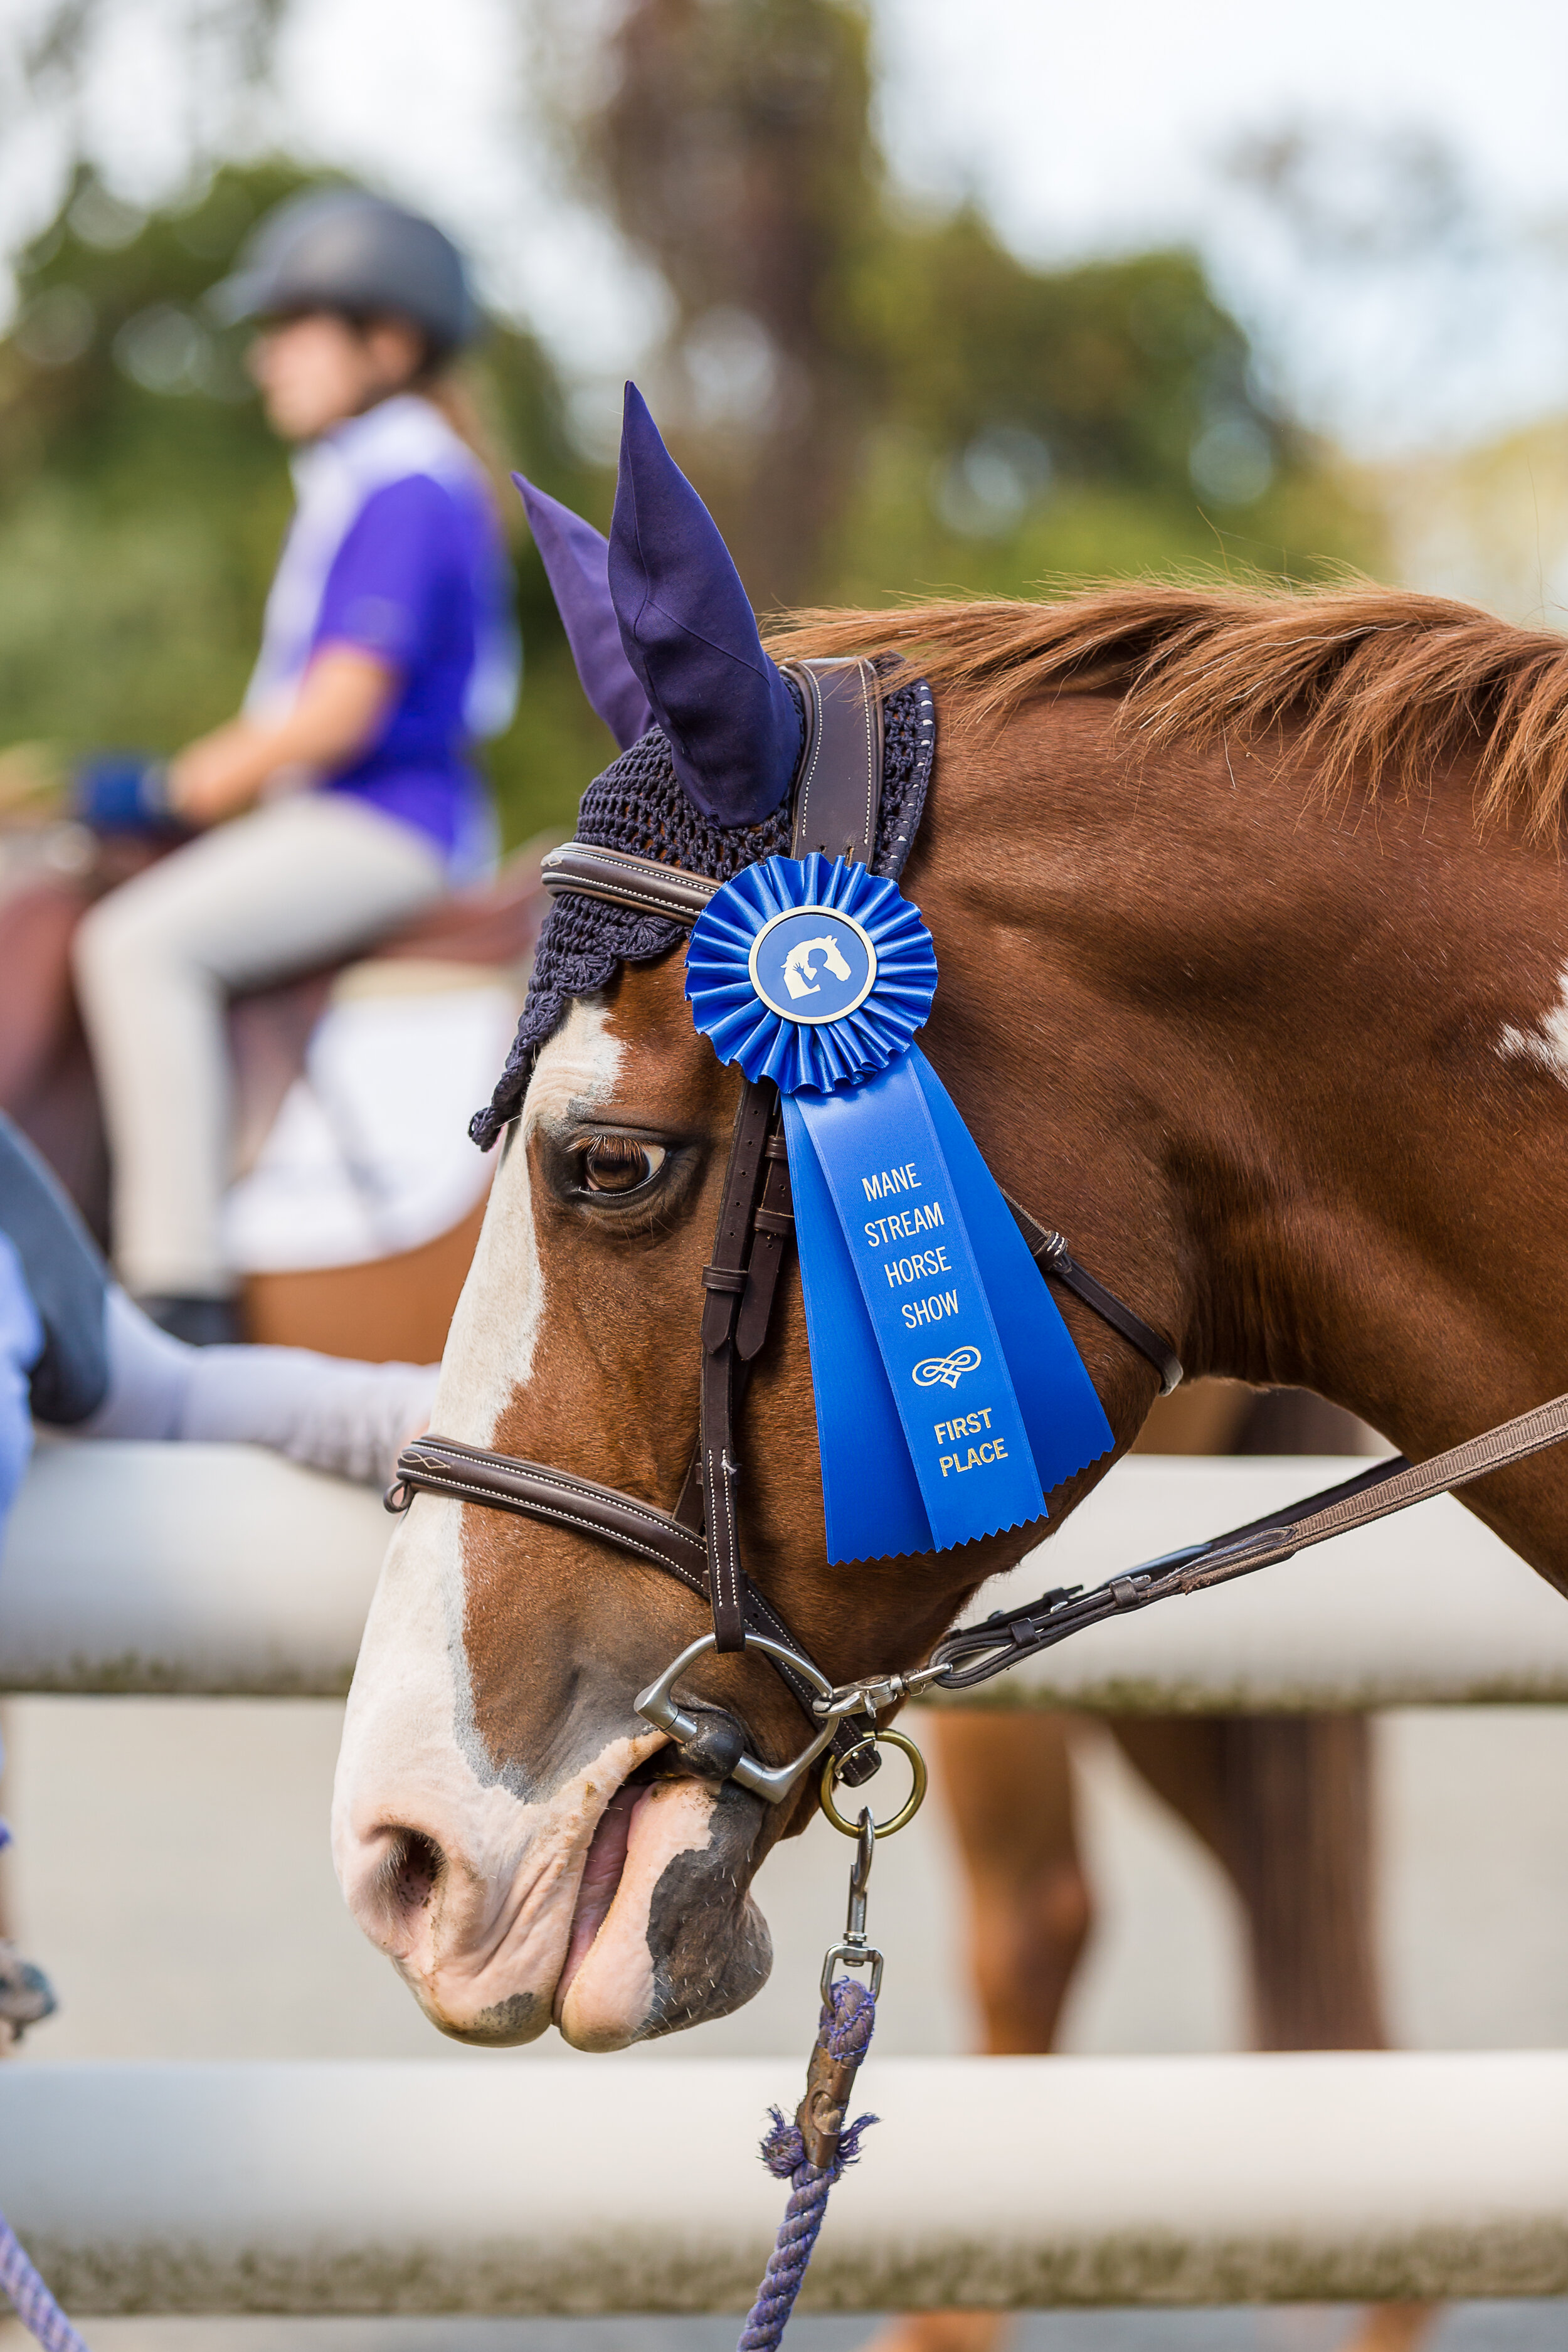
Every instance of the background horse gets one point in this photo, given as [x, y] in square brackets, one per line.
[383, 1303]
[1252, 941]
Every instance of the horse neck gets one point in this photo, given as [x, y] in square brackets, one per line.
[1299, 1074]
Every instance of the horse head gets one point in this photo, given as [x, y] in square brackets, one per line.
[507, 1827]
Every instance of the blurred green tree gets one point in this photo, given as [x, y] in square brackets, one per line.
[1033, 426]
[873, 400]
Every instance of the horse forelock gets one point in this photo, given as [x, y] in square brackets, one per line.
[1379, 685]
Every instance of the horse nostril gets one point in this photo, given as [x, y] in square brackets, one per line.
[417, 1863]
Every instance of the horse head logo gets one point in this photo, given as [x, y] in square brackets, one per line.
[797, 970]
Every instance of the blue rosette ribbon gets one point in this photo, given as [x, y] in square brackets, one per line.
[950, 1398]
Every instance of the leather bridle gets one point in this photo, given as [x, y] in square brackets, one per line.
[837, 795]
[836, 798]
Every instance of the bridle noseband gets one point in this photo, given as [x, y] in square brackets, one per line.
[836, 798]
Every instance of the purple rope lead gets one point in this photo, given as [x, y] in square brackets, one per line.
[845, 2032]
[35, 2306]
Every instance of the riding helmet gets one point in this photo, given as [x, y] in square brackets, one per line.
[342, 249]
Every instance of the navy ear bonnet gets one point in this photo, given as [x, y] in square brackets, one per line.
[638, 804]
[690, 637]
[659, 626]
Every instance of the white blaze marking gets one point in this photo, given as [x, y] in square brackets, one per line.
[1547, 1043]
[410, 1755]
[495, 1331]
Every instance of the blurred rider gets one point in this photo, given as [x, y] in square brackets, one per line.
[342, 801]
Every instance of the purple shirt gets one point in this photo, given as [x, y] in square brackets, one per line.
[420, 580]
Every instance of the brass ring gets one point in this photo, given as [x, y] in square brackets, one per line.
[833, 1764]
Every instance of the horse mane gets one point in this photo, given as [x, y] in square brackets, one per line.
[1383, 685]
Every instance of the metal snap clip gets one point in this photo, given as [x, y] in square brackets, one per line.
[856, 1951]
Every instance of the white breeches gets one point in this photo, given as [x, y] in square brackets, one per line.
[293, 885]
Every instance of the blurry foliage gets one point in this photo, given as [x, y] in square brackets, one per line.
[734, 149]
[874, 403]
[50, 48]
[143, 500]
[1036, 425]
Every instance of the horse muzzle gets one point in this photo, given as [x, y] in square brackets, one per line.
[615, 1907]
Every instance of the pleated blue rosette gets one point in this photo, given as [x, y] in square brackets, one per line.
[799, 1051]
[950, 1398]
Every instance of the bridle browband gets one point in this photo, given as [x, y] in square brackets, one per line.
[835, 805]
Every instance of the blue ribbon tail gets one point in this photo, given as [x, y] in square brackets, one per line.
[1060, 1405]
[871, 1496]
[949, 1397]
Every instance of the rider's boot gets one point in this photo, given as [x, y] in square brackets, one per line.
[26, 1996]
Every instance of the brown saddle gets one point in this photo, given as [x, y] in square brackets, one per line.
[45, 1070]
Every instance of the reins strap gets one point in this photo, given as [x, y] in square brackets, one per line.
[974, 1652]
[1396, 1487]
[724, 1280]
[1056, 1261]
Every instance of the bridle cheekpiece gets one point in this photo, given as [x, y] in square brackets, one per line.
[835, 808]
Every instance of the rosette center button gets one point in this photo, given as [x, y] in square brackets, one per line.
[813, 965]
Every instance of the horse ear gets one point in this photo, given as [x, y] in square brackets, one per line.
[575, 559]
[690, 636]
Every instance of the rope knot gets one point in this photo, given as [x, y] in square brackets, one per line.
[784, 2152]
[843, 2034]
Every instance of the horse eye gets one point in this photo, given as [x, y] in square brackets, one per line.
[614, 1164]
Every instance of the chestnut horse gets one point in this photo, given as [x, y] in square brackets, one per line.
[1254, 951]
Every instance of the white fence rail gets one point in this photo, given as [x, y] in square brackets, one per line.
[219, 1568]
[569, 2186]
[579, 2188]
[223, 1569]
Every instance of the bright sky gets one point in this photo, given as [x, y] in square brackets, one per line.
[1085, 129]
[1082, 131]
[1080, 122]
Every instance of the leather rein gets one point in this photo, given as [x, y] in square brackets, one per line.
[836, 798]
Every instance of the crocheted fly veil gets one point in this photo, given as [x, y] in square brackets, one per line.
[659, 624]
[638, 804]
